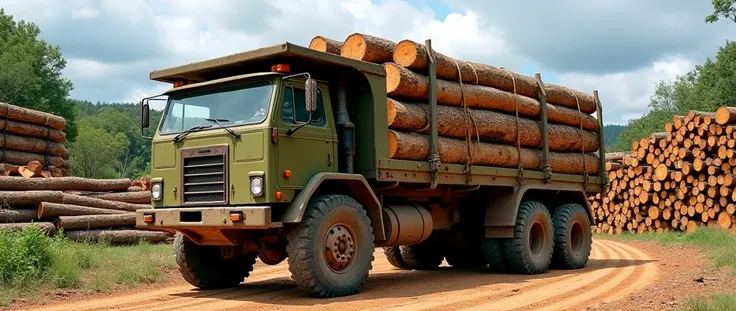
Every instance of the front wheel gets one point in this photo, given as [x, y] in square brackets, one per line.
[208, 267]
[331, 251]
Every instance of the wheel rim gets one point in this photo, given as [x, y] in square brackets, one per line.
[536, 238]
[339, 248]
[576, 237]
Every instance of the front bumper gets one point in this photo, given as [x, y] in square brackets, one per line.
[193, 218]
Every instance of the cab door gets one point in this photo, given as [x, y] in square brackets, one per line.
[312, 148]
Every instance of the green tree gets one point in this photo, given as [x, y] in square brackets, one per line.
[722, 8]
[30, 74]
[92, 152]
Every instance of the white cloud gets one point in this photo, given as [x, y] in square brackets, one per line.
[85, 13]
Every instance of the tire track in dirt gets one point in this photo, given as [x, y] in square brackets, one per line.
[614, 272]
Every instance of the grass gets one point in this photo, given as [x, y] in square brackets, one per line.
[31, 262]
[720, 248]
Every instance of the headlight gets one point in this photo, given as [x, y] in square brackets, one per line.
[156, 191]
[256, 186]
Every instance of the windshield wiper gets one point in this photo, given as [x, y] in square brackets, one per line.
[236, 135]
[181, 135]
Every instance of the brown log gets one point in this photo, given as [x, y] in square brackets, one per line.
[22, 158]
[613, 166]
[95, 221]
[49, 210]
[80, 200]
[401, 82]
[725, 115]
[17, 215]
[31, 116]
[490, 125]
[33, 130]
[615, 156]
[140, 197]
[46, 227]
[30, 144]
[117, 236]
[412, 55]
[406, 146]
[64, 183]
[8, 169]
[323, 44]
[368, 48]
[29, 198]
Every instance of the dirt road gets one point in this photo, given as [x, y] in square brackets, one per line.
[615, 271]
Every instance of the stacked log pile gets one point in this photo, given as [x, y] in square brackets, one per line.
[676, 180]
[486, 114]
[86, 209]
[29, 136]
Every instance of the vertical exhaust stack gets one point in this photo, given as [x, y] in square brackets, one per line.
[345, 128]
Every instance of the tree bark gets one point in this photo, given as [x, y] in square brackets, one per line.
[415, 147]
[17, 215]
[412, 55]
[31, 116]
[63, 183]
[403, 83]
[74, 199]
[8, 169]
[323, 44]
[33, 130]
[46, 227]
[117, 236]
[50, 210]
[30, 144]
[26, 198]
[139, 197]
[368, 48]
[22, 158]
[95, 221]
[490, 125]
[615, 156]
[725, 115]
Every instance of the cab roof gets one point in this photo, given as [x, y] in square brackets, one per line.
[260, 60]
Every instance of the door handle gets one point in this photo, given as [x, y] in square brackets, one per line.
[329, 159]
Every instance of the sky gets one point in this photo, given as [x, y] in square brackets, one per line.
[621, 48]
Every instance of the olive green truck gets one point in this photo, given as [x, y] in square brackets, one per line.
[280, 153]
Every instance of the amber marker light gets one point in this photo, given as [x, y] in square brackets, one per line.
[236, 217]
[279, 195]
[148, 219]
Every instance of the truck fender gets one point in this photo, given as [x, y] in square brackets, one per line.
[354, 185]
[503, 203]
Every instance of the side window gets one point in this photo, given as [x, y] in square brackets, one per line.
[294, 110]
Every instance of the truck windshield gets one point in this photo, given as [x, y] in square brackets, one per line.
[239, 105]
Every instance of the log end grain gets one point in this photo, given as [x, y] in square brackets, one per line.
[410, 54]
[725, 115]
[323, 44]
[368, 48]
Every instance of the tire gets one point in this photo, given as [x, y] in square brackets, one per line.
[205, 268]
[573, 238]
[426, 255]
[465, 249]
[493, 251]
[314, 265]
[393, 255]
[530, 250]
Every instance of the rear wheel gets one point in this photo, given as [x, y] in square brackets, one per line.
[426, 255]
[493, 251]
[393, 255]
[530, 250]
[573, 238]
[331, 251]
[209, 267]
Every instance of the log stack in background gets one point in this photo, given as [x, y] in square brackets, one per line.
[492, 96]
[676, 180]
[28, 136]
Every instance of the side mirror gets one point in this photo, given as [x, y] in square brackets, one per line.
[145, 111]
[311, 95]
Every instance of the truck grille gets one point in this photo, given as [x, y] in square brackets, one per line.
[204, 178]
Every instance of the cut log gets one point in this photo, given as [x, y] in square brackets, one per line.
[491, 126]
[725, 115]
[29, 198]
[412, 55]
[74, 199]
[22, 158]
[323, 44]
[615, 156]
[724, 220]
[8, 169]
[64, 183]
[18, 215]
[95, 221]
[368, 48]
[401, 82]
[406, 146]
[33, 130]
[31, 116]
[30, 144]
[49, 210]
[117, 236]
[140, 197]
[46, 227]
